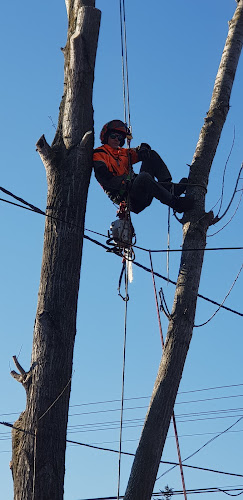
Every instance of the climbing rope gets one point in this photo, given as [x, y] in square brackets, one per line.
[168, 247]
[128, 253]
[126, 298]
[123, 384]
[126, 98]
[163, 306]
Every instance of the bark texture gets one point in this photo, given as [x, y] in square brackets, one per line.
[157, 421]
[38, 460]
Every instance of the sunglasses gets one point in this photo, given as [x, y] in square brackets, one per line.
[116, 136]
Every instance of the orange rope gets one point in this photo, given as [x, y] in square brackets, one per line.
[173, 414]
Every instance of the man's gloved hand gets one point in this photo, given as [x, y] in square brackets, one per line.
[143, 151]
[129, 180]
[126, 183]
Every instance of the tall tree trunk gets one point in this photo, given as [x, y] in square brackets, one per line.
[196, 223]
[38, 460]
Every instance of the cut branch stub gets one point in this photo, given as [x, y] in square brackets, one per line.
[23, 377]
[45, 152]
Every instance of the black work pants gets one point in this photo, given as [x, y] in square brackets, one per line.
[145, 187]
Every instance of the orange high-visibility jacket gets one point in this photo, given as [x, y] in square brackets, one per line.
[111, 168]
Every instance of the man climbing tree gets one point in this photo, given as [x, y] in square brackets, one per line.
[114, 171]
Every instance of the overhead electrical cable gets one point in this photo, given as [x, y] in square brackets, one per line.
[231, 218]
[78, 443]
[203, 446]
[224, 489]
[224, 172]
[218, 218]
[33, 208]
[91, 403]
[217, 310]
[141, 266]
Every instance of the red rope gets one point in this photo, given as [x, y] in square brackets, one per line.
[173, 414]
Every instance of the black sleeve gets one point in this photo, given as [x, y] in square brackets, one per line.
[107, 179]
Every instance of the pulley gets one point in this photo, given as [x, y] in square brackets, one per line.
[121, 235]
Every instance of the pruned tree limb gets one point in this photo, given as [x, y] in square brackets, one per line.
[23, 377]
[45, 153]
[18, 366]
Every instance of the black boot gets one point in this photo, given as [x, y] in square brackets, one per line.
[175, 189]
[180, 188]
[181, 205]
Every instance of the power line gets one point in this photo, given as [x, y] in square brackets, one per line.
[161, 461]
[127, 453]
[179, 393]
[160, 250]
[223, 489]
[145, 406]
[128, 423]
[217, 310]
[7, 438]
[174, 283]
[91, 403]
[35, 209]
[203, 446]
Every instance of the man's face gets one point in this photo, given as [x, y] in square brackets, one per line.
[114, 139]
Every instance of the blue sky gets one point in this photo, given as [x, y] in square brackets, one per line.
[174, 49]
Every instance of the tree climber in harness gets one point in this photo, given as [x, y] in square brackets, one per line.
[113, 170]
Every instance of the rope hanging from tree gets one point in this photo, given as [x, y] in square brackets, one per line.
[127, 119]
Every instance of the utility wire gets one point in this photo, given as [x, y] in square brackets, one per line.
[128, 454]
[218, 218]
[224, 172]
[99, 443]
[6, 436]
[217, 310]
[144, 407]
[199, 294]
[203, 446]
[33, 208]
[37, 210]
[231, 218]
[225, 489]
[147, 397]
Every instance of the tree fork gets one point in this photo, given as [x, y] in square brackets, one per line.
[38, 461]
[146, 462]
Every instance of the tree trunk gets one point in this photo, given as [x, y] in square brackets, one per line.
[196, 223]
[38, 460]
